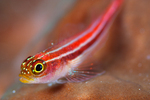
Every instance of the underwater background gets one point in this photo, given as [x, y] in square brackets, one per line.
[29, 26]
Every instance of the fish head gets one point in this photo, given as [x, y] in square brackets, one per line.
[33, 70]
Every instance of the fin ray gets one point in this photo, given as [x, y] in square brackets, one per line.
[81, 74]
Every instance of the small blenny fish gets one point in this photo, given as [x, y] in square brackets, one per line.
[63, 59]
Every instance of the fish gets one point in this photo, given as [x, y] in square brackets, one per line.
[62, 62]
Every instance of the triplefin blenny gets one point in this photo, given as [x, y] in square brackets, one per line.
[63, 59]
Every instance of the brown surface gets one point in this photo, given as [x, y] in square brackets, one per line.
[125, 57]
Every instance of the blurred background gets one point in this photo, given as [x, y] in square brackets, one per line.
[23, 27]
[29, 26]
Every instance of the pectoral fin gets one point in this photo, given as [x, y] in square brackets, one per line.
[81, 74]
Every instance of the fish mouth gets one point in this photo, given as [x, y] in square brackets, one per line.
[24, 79]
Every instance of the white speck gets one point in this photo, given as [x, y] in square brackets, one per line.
[14, 91]
[52, 43]
[50, 84]
[139, 89]
[26, 69]
[86, 82]
[101, 81]
[28, 72]
[139, 65]
[148, 57]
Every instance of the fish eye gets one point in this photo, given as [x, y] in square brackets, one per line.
[38, 68]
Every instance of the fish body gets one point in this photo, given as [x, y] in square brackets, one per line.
[63, 60]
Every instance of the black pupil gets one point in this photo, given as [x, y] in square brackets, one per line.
[38, 67]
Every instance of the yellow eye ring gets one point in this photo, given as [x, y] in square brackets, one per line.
[38, 68]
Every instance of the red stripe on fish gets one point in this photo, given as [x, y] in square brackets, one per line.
[56, 62]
